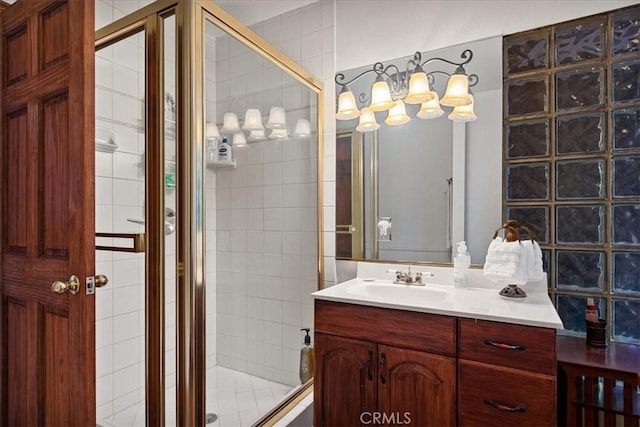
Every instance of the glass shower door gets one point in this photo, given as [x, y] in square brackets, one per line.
[120, 208]
[261, 227]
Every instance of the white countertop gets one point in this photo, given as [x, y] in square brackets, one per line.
[479, 300]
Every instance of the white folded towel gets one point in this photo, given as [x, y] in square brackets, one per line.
[514, 263]
[502, 263]
[535, 272]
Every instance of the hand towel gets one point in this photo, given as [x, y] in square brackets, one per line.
[502, 263]
[535, 272]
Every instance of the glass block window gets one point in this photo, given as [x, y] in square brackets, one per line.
[571, 161]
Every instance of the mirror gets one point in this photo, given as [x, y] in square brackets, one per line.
[423, 178]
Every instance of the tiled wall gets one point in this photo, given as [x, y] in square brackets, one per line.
[266, 222]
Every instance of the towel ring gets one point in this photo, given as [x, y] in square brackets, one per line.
[513, 231]
[514, 228]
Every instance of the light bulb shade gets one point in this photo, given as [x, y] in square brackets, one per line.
[457, 92]
[256, 135]
[430, 109]
[211, 131]
[347, 108]
[277, 118]
[239, 140]
[280, 134]
[463, 113]
[419, 91]
[380, 96]
[397, 114]
[252, 120]
[303, 129]
[367, 121]
[230, 123]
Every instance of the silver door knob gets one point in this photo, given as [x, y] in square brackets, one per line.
[72, 286]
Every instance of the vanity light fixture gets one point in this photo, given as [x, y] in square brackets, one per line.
[230, 123]
[255, 130]
[256, 135]
[392, 89]
[277, 118]
[252, 120]
[280, 134]
[211, 131]
[367, 121]
[397, 114]
[463, 113]
[239, 140]
[303, 129]
[430, 109]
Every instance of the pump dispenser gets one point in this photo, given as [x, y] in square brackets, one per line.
[224, 150]
[306, 358]
[461, 264]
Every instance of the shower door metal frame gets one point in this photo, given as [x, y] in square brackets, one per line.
[190, 17]
[149, 21]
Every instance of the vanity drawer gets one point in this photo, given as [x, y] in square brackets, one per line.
[419, 331]
[494, 396]
[504, 344]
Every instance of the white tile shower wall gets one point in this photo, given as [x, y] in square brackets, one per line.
[265, 218]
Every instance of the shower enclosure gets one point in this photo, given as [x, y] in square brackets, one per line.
[206, 317]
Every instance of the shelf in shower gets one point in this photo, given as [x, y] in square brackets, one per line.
[221, 163]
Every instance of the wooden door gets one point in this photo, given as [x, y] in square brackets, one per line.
[47, 213]
[416, 388]
[344, 381]
[349, 196]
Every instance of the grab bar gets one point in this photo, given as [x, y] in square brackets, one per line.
[138, 243]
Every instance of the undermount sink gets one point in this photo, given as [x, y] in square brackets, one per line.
[390, 291]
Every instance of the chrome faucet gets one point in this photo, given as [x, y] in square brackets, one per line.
[406, 278]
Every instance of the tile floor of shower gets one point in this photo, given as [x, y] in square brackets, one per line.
[237, 398]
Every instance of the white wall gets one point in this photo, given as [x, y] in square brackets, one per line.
[399, 28]
[484, 174]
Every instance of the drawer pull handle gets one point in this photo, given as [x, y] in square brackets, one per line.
[369, 360]
[505, 407]
[505, 346]
[383, 380]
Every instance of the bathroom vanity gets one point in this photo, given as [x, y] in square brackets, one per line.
[433, 355]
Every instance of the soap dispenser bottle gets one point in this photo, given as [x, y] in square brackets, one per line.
[461, 264]
[306, 358]
[224, 150]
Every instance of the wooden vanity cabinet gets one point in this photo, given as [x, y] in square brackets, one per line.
[441, 370]
[391, 371]
[506, 374]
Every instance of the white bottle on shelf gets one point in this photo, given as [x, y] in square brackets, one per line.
[224, 150]
[461, 264]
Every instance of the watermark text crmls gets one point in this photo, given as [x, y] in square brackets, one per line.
[385, 418]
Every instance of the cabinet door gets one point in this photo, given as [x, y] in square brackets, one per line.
[344, 381]
[415, 388]
[494, 396]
